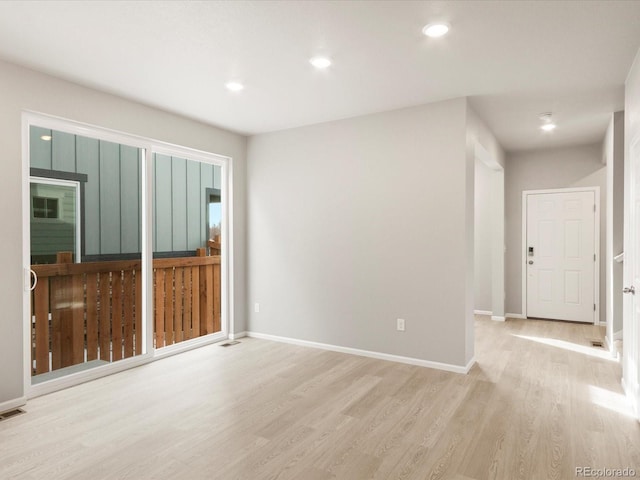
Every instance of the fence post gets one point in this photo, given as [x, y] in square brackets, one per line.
[64, 257]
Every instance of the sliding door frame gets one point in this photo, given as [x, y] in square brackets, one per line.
[148, 147]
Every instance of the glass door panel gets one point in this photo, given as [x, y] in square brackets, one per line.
[85, 202]
[187, 249]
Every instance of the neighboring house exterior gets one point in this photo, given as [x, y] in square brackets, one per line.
[108, 179]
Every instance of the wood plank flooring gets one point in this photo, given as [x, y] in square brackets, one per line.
[539, 403]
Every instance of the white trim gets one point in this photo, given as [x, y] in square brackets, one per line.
[596, 281]
[12, 404]
[26, 257]
[146, 244]
[62, 124]
[235, 336]
[482, 312]
[515, 315]
[469, 365]
[617, 335]
[498, 318]
[187, 345]
[77, 378]
[228, 296]
[366, 353]
[611, 347]
[633, 395]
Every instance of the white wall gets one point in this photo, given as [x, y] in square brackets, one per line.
[631, 349]
[354, 223]
[613, 157]
[541, 169]
[483, 223]
[23, 89]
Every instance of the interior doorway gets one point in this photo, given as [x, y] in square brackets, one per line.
[560, 254]
[489, 242]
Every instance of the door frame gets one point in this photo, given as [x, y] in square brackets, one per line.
[596, 282]
[148, 146]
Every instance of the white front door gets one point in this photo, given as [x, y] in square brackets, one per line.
[560, 255]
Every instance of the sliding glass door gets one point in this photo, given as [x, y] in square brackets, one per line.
[127, 255]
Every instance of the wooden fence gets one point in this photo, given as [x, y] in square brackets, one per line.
[93, 311]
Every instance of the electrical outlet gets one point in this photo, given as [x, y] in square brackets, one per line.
[256, 307]
[400, 324]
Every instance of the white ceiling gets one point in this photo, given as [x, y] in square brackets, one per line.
[514, 59]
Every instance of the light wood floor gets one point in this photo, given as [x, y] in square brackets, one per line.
[539, 403]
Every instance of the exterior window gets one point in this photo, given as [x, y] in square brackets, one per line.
[44, 207]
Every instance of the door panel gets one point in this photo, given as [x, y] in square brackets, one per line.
[86, 307]
[560, 258]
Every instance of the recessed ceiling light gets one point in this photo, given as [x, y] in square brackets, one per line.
[234, 86]
[435, 30]
[547, 121]
[46, 138]
[320, 62]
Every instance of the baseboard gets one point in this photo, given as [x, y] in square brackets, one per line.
[366, 353]
[515, 315]
[498, 318]
[633, 394]
[617, 335]
[482, 312]
[470, 365]
[610, 347]
[234, 336]
[11, 404]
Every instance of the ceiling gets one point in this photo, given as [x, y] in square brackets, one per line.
[514, 60]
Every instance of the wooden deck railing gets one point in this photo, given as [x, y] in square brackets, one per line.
[93, 311]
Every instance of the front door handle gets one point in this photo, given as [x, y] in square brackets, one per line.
[631, 290]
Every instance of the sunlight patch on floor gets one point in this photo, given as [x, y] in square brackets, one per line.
[616, 402]
[573, 347]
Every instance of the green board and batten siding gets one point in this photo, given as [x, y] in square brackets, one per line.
[112, 197]
[179, 208]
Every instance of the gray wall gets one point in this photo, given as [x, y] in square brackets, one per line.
[22, 89]
[482, 237]
[355, 223]
[541, 169]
